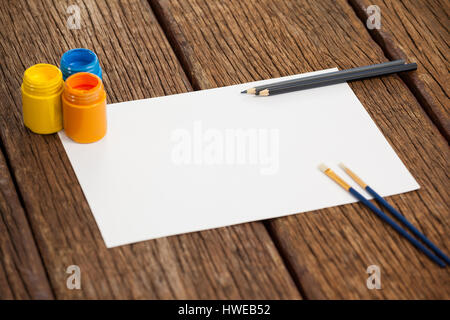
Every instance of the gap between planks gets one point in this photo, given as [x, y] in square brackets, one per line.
[188, 70]
[112, 279]
[166, 23]
[194, 71]
[180, 53]
[415, 85]
[36, 281]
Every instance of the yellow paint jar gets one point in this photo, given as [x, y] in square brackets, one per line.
[41, 98]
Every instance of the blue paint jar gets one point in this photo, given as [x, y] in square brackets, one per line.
[80, 60]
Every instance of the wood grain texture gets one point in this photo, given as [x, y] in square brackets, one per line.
[418, 30]
[22, 275]
[234, 262]
[230, 42]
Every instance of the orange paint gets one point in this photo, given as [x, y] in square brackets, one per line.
[84, 108]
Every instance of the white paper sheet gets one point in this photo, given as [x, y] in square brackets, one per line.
[179, 163]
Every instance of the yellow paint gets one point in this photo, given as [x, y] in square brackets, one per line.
[41, 98]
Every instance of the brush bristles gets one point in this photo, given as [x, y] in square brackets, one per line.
[322, 167]
[353, 175]
[343, 167]
[330, 173]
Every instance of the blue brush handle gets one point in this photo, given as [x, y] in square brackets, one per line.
[403, 220]
[396, 227]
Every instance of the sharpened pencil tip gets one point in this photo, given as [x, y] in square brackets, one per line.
[249, 91]
[322, 167]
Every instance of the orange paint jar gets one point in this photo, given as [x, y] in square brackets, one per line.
[84, 108]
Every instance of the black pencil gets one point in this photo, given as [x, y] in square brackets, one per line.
[326, 75]
[335, 79]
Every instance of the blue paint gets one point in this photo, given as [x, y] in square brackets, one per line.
[80, 60]
[397, 228]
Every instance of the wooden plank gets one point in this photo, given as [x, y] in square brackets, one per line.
[224, 43]
[417, 30]
[235, 262]
[22, 275]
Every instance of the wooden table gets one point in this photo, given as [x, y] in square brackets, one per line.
[162, 47]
